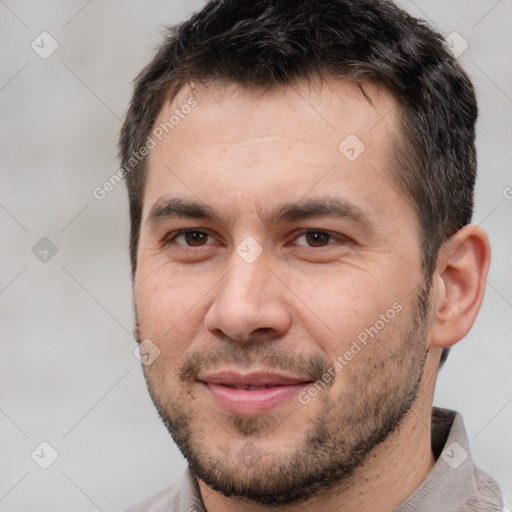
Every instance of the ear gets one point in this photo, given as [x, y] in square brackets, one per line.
[459, 285]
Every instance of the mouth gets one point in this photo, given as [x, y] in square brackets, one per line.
[253, 393]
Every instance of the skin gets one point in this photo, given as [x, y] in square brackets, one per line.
[304, 299]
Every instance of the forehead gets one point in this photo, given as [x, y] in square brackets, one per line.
[227, 140]
[320, 110]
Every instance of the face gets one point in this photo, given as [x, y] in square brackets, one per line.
[278, 271]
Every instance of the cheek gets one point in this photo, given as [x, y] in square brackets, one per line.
[169, 305]
[339, 307]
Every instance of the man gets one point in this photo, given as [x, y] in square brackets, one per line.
[300, 177]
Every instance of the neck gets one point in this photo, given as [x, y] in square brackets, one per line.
[393, 471]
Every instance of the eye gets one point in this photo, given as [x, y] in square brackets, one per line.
[315, 238]
[189, 238]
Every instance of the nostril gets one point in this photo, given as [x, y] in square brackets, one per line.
[263, 330]
[242, 319]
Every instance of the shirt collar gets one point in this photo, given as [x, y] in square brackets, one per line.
[453, 484]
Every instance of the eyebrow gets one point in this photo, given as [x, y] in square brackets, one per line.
[288, 212]
[327, 207]
[174, 208]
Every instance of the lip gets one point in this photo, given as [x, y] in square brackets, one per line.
[252, 393]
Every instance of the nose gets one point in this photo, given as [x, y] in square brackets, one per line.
[249, 301]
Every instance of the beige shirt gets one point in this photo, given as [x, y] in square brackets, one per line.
[453, 484]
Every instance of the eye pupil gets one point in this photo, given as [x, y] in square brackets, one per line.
[195, 237]
[317, 238]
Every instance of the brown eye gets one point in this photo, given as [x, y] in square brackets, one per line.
[191, 238]
[315, 238]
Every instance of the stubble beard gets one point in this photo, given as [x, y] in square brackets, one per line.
[335, 442]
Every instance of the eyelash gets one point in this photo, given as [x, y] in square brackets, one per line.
[337, 237]
[171, 238]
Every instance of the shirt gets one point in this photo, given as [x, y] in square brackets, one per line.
[454, 484]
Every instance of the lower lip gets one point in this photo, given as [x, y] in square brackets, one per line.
[252, 401]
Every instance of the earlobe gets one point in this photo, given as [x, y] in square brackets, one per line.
[459, 281]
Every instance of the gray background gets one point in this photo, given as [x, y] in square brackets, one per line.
[67, 372]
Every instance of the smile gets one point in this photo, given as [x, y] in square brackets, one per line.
[251, 394]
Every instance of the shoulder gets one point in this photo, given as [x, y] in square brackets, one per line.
[183, 496]
[488, 495]
[165, 501]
